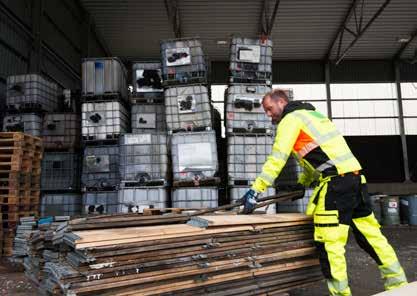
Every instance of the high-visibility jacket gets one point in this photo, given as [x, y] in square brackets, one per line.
[314, 140]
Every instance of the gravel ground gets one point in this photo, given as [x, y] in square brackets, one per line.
[363, 272]
[364, 276]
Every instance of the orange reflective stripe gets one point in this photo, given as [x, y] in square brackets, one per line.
[307, 148]
[304, 144]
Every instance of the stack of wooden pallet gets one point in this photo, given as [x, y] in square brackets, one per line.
[20, 171]
[1, 233]
[215, 255]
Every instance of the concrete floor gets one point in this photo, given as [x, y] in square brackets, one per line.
[363, 273]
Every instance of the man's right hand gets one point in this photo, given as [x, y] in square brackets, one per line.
[298, 187]
[249, 201]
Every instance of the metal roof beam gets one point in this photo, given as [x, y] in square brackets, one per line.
[358, 27]
[341, 30]
[274, 14]
[398, 54]
[264, 18]
[174, 16]
[266, 23]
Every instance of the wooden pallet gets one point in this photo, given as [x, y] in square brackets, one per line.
[15, 216]
[20, 171]
[12, 139]
[16, 179]
[5, 208]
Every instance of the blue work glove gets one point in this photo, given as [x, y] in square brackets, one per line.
[249, 201]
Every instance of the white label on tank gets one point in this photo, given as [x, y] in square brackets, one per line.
[249, 53]
[139, 139]
[404, 202]
[195, 156]
[178, 56]
[393, 204]
[392, 210]
[186, 104]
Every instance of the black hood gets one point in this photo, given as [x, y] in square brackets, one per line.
[296, 105]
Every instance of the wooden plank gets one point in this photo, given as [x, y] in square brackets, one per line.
[179, 285]
[187, 258]
[155, 238]
[255, 243]
[194, 269]
[133, 232]
[221, 221]
[109, 237]
[187, 271]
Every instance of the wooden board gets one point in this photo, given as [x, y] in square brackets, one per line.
[225, 220]
[221, 224]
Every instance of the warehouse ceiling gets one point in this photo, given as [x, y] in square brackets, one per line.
[302, 29]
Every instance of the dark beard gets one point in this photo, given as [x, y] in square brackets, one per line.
[276, 120]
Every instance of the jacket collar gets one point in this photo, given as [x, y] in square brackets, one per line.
[296, 105]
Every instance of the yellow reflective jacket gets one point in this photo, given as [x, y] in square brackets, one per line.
[314, 140]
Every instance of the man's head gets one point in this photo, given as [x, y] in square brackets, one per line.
[274, 103]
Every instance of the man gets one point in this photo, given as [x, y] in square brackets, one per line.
[339, 201]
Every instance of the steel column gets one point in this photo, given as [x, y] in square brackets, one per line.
[328, 92]
[401, 121]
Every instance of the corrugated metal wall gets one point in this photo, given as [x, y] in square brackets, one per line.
[66, 36]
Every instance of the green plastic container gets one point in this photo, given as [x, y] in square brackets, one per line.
[412, 209]
[376, 206]
[404, 210]
[390, 210]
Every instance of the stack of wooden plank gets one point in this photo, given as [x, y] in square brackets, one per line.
[213, 255]
[20, 171]
[125, 220]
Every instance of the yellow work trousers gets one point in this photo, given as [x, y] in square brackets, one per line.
[337, 204]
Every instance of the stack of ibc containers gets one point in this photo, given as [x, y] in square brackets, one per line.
[60, 181]
[144, 152]
[189, 122]
[29, 98]
[249, 131]
[104, 118]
